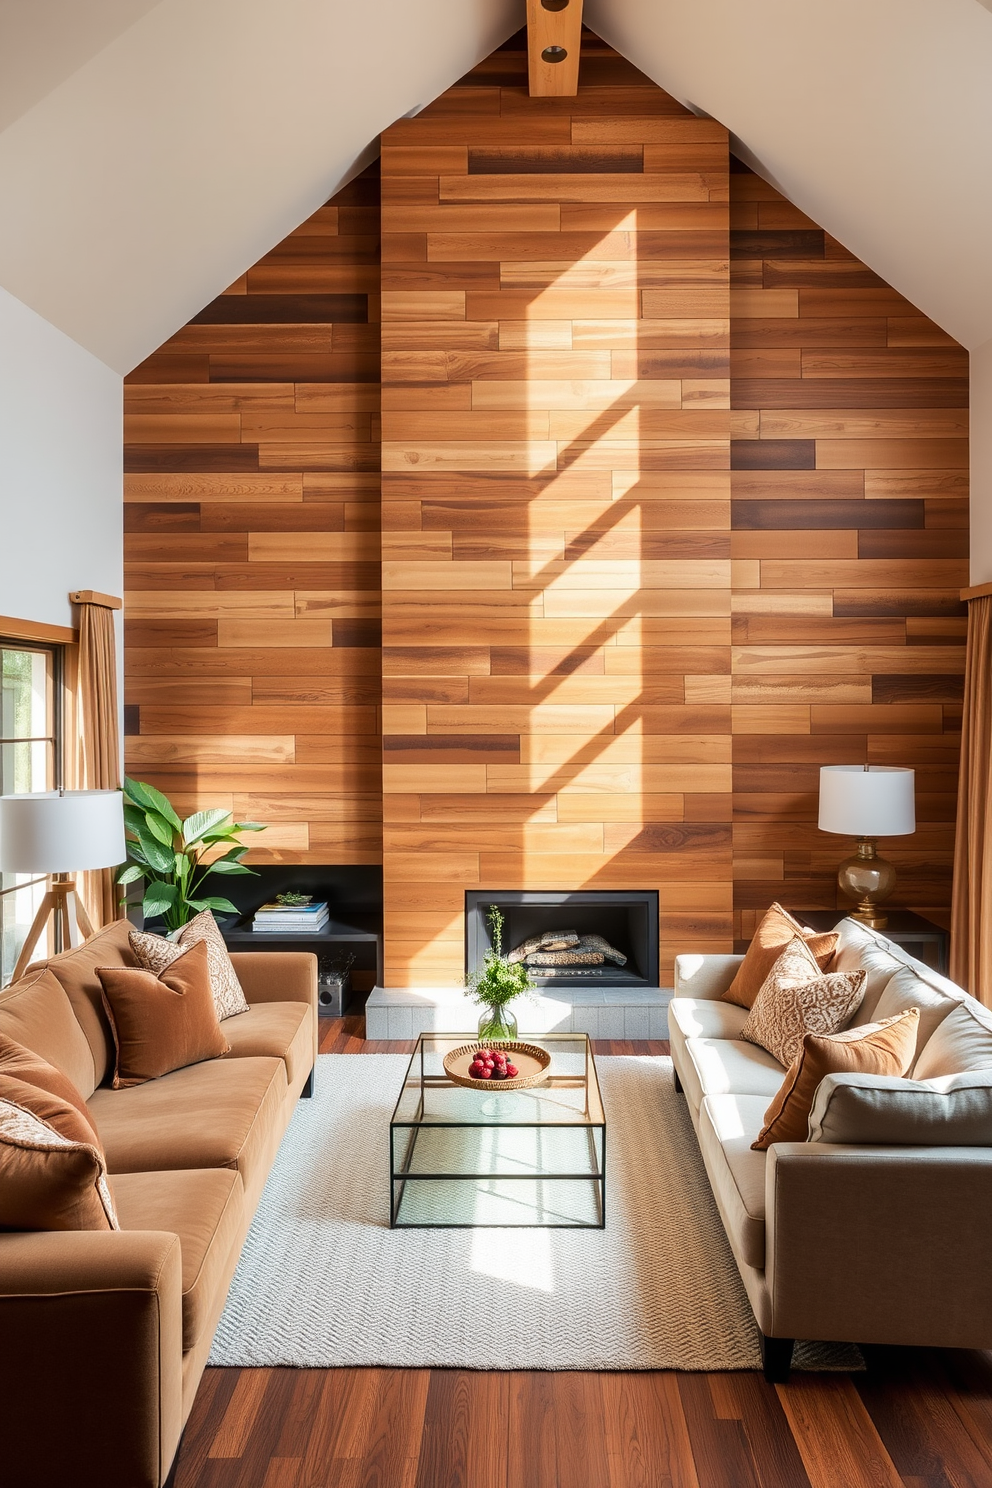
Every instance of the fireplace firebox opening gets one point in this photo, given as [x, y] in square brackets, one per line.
[625, 919]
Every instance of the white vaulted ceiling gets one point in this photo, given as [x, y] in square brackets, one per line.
[151, 174]
[873, 116]
[150, 150]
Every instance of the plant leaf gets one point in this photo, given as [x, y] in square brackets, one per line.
[159, 857]
[195, 827]
[150, 799]
[159, 827]
[158, 898]
[250, 826]
[135, 854]
[224, 905]
[224, 865]
[130, 874]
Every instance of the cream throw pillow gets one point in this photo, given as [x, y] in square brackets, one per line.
[795, 999]
[155, 953]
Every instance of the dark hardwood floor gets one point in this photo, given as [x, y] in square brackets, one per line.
[918, 1418]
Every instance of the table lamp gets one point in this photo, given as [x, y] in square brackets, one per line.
[867, 802]
[60, 833]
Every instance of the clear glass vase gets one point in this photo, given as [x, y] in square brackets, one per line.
[497, 1025]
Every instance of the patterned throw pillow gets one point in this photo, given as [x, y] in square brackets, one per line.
[155, 953]
[796, 999]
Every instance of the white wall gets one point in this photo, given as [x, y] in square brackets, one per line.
[60, 469]
[981, 464]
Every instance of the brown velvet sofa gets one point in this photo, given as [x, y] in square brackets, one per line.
[104, 1335]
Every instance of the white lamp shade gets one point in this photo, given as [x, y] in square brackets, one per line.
[45, 832]
[877, 802]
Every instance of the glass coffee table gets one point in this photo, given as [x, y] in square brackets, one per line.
[462, 1158]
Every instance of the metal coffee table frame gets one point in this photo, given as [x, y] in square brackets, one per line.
[431, 1109]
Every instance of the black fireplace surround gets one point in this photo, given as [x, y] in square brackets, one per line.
[627, 918]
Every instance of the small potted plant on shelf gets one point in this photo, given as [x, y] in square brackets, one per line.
[495, 985]
[174, 856]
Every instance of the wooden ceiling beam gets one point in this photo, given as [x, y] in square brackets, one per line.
[554, 31]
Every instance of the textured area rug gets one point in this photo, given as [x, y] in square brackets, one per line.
[323, 1282]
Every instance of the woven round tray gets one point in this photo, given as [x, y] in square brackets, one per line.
[532, 1062]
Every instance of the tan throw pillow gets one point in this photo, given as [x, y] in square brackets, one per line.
[19, 1063]
[770, 939]
[51, 1176]
[162, 1023]
[873, 1049]
[795, 1000]
[155, 953]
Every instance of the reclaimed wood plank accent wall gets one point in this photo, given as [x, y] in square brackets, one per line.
[637, 586]
[850, 545]
[252, 547]
[556, 545]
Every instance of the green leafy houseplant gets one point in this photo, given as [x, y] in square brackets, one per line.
[174, 857]
[496, 983]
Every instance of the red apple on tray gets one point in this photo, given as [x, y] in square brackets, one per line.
[492, 1064]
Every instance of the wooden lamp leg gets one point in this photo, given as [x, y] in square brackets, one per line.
[62, 901]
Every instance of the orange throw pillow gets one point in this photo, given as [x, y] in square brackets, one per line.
[161, 1023]
[52, 1173]
[886, 1048]
[770, 940]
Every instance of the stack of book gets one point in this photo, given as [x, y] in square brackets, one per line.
[290, 919]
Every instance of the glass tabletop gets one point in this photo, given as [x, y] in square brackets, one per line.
[570, 1095]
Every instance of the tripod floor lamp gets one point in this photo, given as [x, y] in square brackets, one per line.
[60, 833]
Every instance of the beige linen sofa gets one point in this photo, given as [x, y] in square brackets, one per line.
[861, 1241]
[104, 1335]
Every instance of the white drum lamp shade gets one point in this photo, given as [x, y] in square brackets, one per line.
[61, 832]
[879, 801]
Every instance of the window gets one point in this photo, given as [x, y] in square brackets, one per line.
[30, 760]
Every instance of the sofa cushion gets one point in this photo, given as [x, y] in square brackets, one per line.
[52, 1177]
[282, 1029]
[155, 953]
[961, 1041]
[792, 1003]
[876, 1049]
[205, 1207]
[704, 1017]
[161, 1023]
[769, 940]
[226, 1113]
[728, 1125]
[904, 990]
[76, 971]
[36, 1013]
[728, 1067]
[857, 946]
[949, 1111]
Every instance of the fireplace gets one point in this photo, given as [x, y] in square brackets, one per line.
[627, 919]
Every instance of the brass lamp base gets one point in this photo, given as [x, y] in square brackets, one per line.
[867, 878]
[62, 900]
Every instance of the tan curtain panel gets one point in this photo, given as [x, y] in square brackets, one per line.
[99, 765]
[971, 913]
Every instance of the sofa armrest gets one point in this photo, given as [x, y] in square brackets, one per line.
[704, 976]
[97, 1317]
[879, 1244]
[277, 976]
